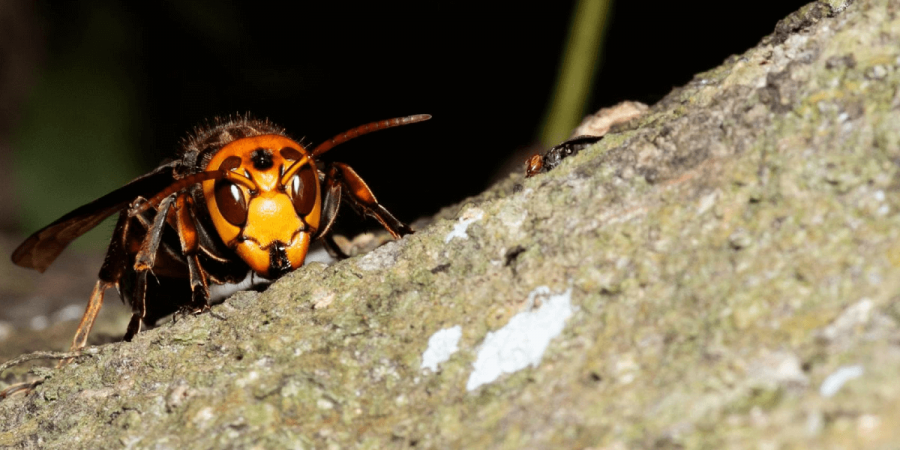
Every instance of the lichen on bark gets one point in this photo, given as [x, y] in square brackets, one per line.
[726, 254]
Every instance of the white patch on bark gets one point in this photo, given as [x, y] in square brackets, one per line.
[467, 218]
[707, 202]
[834, 382]
[441, 345]
[523, 340]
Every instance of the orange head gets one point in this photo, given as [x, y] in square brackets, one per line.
[269, 204]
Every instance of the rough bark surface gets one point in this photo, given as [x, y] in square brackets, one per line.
[721, 273]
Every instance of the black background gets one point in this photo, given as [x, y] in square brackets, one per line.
[485, 71]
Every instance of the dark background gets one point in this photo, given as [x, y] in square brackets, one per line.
[95, 93]
[115, 85]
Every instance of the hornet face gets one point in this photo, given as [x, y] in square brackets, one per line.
[269, 206]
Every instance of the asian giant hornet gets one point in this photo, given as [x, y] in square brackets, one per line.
[241, 198]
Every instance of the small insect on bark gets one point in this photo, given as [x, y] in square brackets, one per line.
[538, 164]
[588, 133]
[240, 198]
